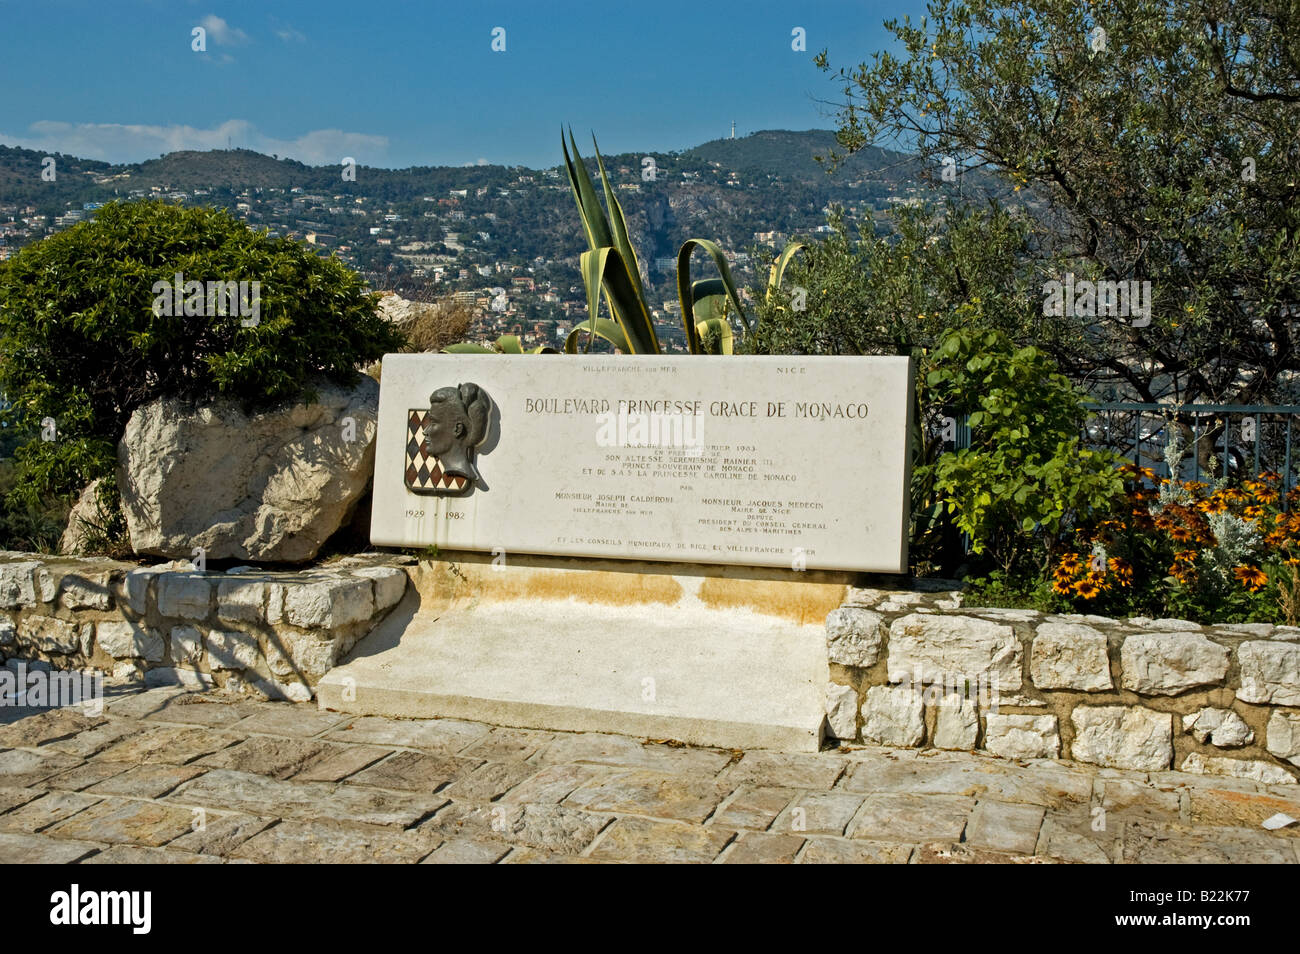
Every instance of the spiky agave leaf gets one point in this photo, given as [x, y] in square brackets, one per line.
[606, 269]
[604, 329]
[776, 275]
[715, 326]
[686, 291]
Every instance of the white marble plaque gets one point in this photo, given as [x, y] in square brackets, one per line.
[794, 462]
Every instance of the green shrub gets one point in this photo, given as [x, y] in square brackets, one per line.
[82, 345]
[1024, 484]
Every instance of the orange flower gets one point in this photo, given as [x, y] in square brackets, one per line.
[1251, 577]
[1062, 586]
[1253, 513]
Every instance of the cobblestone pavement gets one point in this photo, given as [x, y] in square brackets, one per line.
[166, 776]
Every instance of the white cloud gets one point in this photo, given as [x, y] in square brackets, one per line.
[290, 35]
[221, 32]
[119, 142]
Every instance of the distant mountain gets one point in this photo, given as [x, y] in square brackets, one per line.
[793, 155]
[231, 168]
[781, 153]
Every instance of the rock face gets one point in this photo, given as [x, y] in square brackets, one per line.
[1069, 656]
[273, 486]
[1128, 737]
[1166, 664]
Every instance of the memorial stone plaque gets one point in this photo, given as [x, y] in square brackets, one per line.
[795, 462]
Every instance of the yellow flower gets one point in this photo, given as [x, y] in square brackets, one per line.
[1087, 588]
[1251, 577]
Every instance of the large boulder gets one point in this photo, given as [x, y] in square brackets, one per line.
[272, 486]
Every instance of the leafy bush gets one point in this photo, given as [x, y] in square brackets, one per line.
[903, 291]
[30, 526]
[81, 344]
[1024, 484]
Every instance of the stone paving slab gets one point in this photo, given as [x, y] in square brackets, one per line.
[166, 776]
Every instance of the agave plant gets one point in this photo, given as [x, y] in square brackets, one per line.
[610, 268]
[506, 344]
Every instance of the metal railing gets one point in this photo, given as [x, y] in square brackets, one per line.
[1220, 440]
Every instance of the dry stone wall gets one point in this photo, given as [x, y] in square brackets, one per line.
[916, 667]
[268, 632]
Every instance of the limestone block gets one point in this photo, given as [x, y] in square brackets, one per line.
[128, 640]
[1253, 769]
[50, 635]
[1166, 664]
[953, 649]
[1221, 727]
[854, 636]
[184, 595]
[1270, 672]
[187, 644]
[231, 649]
[24, 583]
[842, 711]
[1283, 738]
[957, 722]
[86, 591]
[1127, 737]
[1022, 736]
[329, 604]
[390, 585]
[893, 716]
[243, 600]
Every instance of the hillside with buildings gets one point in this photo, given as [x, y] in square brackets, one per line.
[503, 240]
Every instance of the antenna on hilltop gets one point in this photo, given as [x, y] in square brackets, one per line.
[733, 129]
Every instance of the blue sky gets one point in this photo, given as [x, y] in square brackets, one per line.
[398, 83]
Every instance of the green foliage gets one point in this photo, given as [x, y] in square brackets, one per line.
[82, 347]
[901, 292]
[1025, 481]
[26, 525]
[1164, 150]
